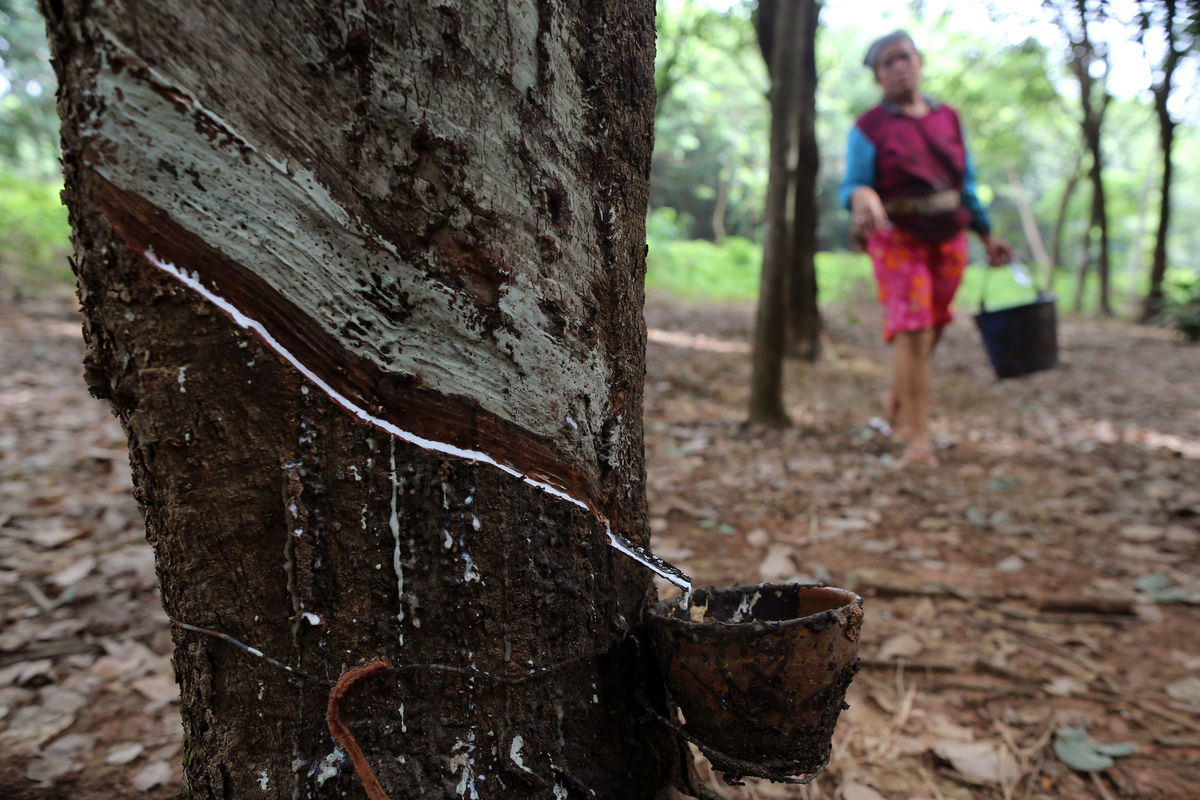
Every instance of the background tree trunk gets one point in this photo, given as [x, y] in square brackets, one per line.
[1060, 220]
[783, 24]
[1033, 235]
[1137, 254]
[1099, 217]
[1153, 302]
[364, 286]
[1074, 18]
[1085, 266]
[804, 314]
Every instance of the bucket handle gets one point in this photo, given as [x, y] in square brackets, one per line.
[1020, 274]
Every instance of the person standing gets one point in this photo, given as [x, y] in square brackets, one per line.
[910, 187]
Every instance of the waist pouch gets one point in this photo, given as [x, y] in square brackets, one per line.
[936, 203]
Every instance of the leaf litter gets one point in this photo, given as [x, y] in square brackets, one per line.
[1001, 607]
[965, 679]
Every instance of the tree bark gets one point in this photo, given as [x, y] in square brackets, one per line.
[1099, 217]
[804, 314]
[1153, 303]
[1085, 266]
[364, 287]
[784, 24]
[1084, 55]
[804, 326]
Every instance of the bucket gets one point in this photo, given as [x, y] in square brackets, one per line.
[1019, 339]
[760, 672]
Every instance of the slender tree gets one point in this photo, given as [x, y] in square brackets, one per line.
[803, 313]
[785, 22]
[1179, 38]
[364, 286]
[1074, 176]
[1089, 63]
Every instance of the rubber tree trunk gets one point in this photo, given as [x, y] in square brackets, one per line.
[1153, 302]
[364, 285]
[1099, 218]
[803, 313]
[1094, 99]
[785, 26]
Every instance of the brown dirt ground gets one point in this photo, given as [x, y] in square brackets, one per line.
[999, 587]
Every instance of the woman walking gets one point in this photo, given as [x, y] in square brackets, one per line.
[910, 187]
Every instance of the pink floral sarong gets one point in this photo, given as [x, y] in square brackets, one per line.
[916, 279]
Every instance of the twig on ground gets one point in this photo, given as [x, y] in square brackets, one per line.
[929, 784]
[1100, 787]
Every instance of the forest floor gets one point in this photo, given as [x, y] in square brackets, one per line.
[1046, 576]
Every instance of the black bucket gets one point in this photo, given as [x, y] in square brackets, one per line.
[1020, 339]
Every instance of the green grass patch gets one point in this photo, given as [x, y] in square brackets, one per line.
[34, 238]
[701, 270]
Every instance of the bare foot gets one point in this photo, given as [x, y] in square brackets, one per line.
[921, 454]
[891, 408]
[891, 412]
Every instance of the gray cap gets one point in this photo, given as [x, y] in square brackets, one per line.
[883, 41]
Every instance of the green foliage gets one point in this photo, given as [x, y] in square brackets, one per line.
[1181, 309]
[28, 121]
[710, 124]
[1015, 94]
[1075, 749]
[34, 236]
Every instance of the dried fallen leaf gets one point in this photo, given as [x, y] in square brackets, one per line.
[124, 754]
[159, 689]
[902, 645]
[852, 790]
[1013, 563]
[25, 672]
[1142, 533]
[778, 563]
[125, 660]
[1064, 687]
[48, 535]
[45, 767]
[1186, 690]
[979, 762]
[34, 724]
[153, 774]
[758, 538]
[74, 573]
[846, 525]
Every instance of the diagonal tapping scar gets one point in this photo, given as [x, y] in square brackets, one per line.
[644, 557]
